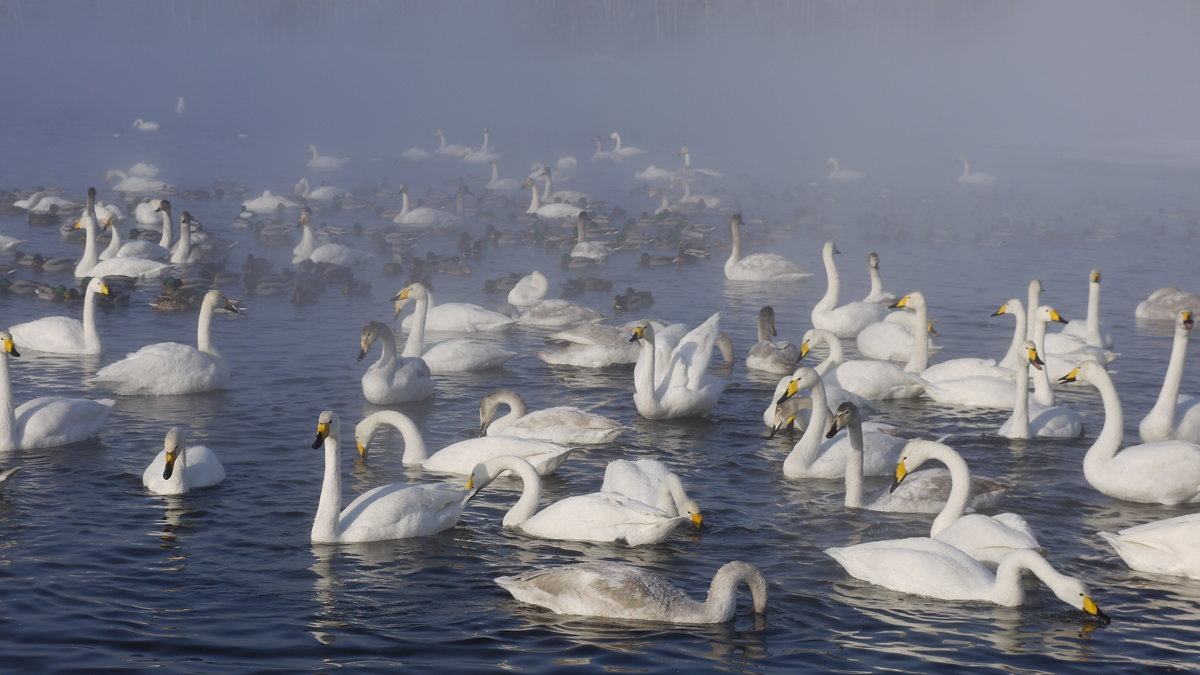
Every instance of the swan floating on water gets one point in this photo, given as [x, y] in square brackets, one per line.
[1165, 304]
[142, 125]
[978, 179]
[455, 355]
[64, 334]
[774, 357]
[392, 379]
[839, 175]
[566, 425]
[319, 162]
[759, 266]
[842, 320]
[1038, 420]
[179, 468]
[1174, 416]
[680, 386]
[1168, 546]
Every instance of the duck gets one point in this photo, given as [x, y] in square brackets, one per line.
[179, 468]
[456, 355]
[933, 568]
[565, 425]
[390, 379]
[985, 538]
[598, 516]
[452, 317]
[319, 162]
[679, 386]
[976, 179]
[1164, 472]
[633, 301]
[759, 266]
[1038, 420]
[48, 421]
[64, 334]
[462, 457]
[926, 491]
[171, 368]
[774, 357]
[1174, 417]
[386, 512]
[1169, 546]
[815, 456]
[839, 175]
[615, 590]
[845, 321]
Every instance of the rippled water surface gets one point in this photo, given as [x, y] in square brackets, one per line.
[95, 572]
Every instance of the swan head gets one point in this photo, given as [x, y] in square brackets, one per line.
[643, 331]
[438, 133]
[615, 136]
[1076, 594]
[961, 158]
[830, 248]
[915, 453]
[163, 206]
[1095, 276]
[370, 333]
[873, 260]
[490, 405]
[1035, 286]
[683, 151]
[847, 414]
[327, 426]
[217, 299]
[364, 432]
[1088, 371]
[1032, 353]
[1185, 319]
[528, 183]
[786, 412]
[1012, 306]
[804, 378]
[10, 347]
[914, 300]
[413, 291]
[1048, 314]
[173, 445]
[97, 285]
[735, 220]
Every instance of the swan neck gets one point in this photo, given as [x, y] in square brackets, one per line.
[837, 354]
[764, 327]
[495, 175]
[666, 206]
[833, 288]
[805, 452]
[531, 489]
[91, 338]
[204, 326]
[90, 255]
[1018, 422]
[1093, 315]
[167, 234]
[414, 444]
[721, 602]
[1032, 302]
[534, 202]
[854, 467]
[966, 168]
[1013, 355]
[960, 490]
[414, 347]
[1169, 394]
[876, 282]
[8, 436]
[183, 249]
[1111, 434]
[918, 359]
[546, 187]
[617, 137]
[114, 245]
[404, 196]
[735, 252]
[643, 373]
[326, 525]
[1007, 589]
[387, 347]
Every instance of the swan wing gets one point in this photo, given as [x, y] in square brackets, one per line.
[399, 511]
[460, 355]
[918, 565]
[58, 334]
[602, 517]
[55, 420]
[461, 457]
[604, 589]
[162, 369]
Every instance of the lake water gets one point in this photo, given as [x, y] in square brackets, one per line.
[96, 573]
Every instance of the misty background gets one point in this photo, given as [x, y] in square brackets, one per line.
[764, 90]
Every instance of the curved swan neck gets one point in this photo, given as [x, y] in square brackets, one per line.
[1169, 394]
[833, 288]
[387, 345]
[90, 255]
[491, 404]
[414, 444]
[546, 187]
[837, 354]
[735, 226]
[617, 138]
[1007, 589]
[854, 465]
[805, 452]
[531, 487]
[960, 488]
[535, 203]
[114, 244]
[966, 167]
[721, 602]
[666, 206]
[643, 372]
[1043, 393]
[876, 281]
[1111, 434]
[8, 435]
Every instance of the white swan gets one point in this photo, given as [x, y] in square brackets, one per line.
[557, 314]
[892, 338]
[566, 425]
[954, 369]
[877, 292]
[554, 211]
[498, 184]
[180, 468]
[319, 162]
[774, 357]
[759, 266]
[978, 179]
[1166, 472]
[882, 380]
[975, 383]
[842, 320]
[390, 379]
[456, 355]
[90, 264]
[984, 538]
[484, 154]
[1089, 330]
[308, 248]
[813, 456]
[622, 151]
[453, 149]
[137, 248]
[926, 491]
[64, 334]
[457, 458]
[133, 184]
[451, 317]
[1174, 416]
[268, 203]
[643, 480]
[386, 512]
[1165, 304]
[839, 175]
[682, 386]
[653, 173]
[833, 360]
[168, 368]
[142, 125]
[1169, 546]
[529, 290]
[47, 421]
[591, 345]
[598, 516]
[422, 216]
[618, 591]
[925, 566]
[322, 193]
[688, 171]
[1028, 421]
[583, 248]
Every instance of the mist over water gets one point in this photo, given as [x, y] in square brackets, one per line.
[1084, 111]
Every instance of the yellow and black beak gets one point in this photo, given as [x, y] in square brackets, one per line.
[104, 289]
[1003, 310]
[322, 434]
[362, 450]
[1187, 319]
[638, 333]
[1090, 607]
[230, 307]
[1095, 277]
[697, 519]
[901, 472]
[902, 302]
[790, 391]
[11, 347]
[169, 467]
[1071, 376]
[804, 349]
[1055, 316]
[931, 329]
[839, 423]
[1034, 359]
[471, 482]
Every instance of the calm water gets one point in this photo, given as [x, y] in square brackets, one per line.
[96, 573]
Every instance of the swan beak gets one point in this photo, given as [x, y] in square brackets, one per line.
[638, 333]
[931, 329]
[792, 388]
[1095, 277]
[322, 434]
[1090, 607]
[362, 450]
[838, 422]
[901, 472]
[362, 353]
[402, 295]
[483, 428]
[169, 467]
[902, 302]
[104, 290]
[1035, 360]
[698, 520]
[107, 223]
[229, 306]
[78, 225]
[1055, 316]
[1003, 310]
[1187, 319]
[471, 482]
[804, 349]
[1071, 376]
[11, 347]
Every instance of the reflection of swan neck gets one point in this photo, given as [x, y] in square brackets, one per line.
[806, 449]
[1168, 396]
